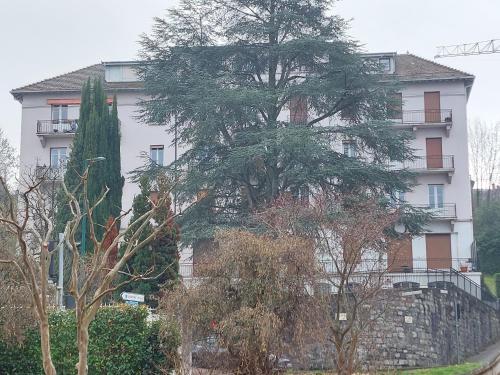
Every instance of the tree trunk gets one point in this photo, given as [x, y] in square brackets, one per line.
[83, 347]
[48, 366]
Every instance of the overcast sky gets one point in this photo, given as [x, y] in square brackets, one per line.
[43, 38]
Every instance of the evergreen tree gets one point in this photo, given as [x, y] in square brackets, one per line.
[161, 256]
[98, 135]
[487, 234]
[223, 75]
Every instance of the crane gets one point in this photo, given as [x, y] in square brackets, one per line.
[467, 49]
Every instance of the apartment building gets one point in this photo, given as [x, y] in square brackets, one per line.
[434, 100]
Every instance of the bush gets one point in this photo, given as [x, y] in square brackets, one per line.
[121, 342]
[497, 284]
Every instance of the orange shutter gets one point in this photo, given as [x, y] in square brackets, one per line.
[438, 250]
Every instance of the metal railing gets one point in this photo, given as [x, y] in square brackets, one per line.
[442, 211]
[398, 264]
[56, 126]
[50, 173]
[186, 269]
[427, 163]
[426, 116]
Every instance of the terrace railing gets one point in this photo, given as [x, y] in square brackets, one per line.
[429, 116]
[440, 211]
[47, 127]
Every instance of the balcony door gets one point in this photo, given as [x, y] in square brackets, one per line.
[400, 256]
[432, 106]
[434, 152]
[438, 250]
[58, 157]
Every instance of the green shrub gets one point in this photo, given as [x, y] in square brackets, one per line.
[497, 284]
[121, 342]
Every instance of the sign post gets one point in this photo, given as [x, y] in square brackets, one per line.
[132, 298]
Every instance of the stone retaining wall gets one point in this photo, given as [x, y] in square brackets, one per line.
[420, 329]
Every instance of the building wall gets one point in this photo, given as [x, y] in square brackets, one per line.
[136, 138]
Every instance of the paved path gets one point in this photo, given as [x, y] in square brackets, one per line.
[487, 355]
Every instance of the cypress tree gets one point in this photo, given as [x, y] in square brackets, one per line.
[161, 255]
[97, 136]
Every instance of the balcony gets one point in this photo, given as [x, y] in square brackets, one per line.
[55, 128]
[420, 119]
[444, 211]
[50, 173]
[429, 165]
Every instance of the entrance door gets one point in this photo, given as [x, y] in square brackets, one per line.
[434, 152]
[400, 256]
[432, 106]
[438, 250]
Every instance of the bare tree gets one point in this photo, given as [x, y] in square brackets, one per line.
[8, 159]
[253, 298]
[355, 243]
[484, 145]
[92, 278]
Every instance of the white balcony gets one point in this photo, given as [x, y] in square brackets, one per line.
[431, 164]
[55, 129]
[424, 119]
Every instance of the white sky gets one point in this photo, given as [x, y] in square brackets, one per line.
[43, 38]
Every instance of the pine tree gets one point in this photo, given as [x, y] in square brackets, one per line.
[97, 135]
[161, 256]
[223, 75]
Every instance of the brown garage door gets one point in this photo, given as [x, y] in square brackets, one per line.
[438, 251]
[434, 152]
[400, 256]
[432, 106]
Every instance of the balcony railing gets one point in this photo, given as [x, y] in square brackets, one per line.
[440, 211]
[50, 173]
[427, 163]
[420, 276]
[428, 116]
[398, 264]
[56, 127]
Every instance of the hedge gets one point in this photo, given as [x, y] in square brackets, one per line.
[122, 342]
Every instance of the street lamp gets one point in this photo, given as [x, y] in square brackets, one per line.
[86, 164]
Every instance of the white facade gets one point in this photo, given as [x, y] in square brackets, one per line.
[136, 139]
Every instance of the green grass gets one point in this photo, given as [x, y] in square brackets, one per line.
[489, 281]
[463, 369]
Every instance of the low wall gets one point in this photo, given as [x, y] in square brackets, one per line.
[421, 328]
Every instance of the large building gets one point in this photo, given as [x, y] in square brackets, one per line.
[434, 101]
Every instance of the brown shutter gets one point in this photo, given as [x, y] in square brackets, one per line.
[400, 256]
[432, 106]
[438, 249]
[434, 152]
[298, 110]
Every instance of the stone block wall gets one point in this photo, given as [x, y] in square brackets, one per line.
[421, 328]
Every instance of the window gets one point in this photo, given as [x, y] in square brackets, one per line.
[385, 64]
[58, 157]
[156, 154]
[436, 196]
[398, 197]
[350, 149]
[59, 113]
[120, 73]
[395, 109]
